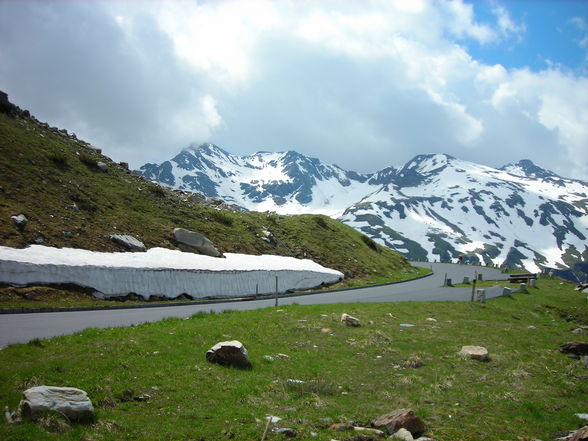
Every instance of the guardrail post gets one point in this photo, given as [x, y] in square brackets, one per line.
[276, 290]
[473, 290]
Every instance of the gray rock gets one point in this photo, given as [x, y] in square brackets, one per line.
[403, 435]
[407, 325]
[67, 234]
[20, 220]
[192, 242]
[40, 239]
[506, 291]
[286, 431]
[474, 352]
[129, 242]
[102, 166]
[69, 401]
[582, 416]
[349, 320]
[229, 353]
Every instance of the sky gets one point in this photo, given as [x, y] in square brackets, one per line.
[364, 84]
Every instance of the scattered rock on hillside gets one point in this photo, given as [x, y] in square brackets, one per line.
[349, 320]
[403, 435]
[69, 401]
[129, 242]
[192, 242]
[580, 435]
[341, 427]
[102, 166]
[400, 418]
[474, 352]
[368, 430]
[229, 353]
[286, 431]
[20, 220]
[576, 347]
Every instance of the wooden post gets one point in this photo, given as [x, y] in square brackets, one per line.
[256, 290]
[445, 280]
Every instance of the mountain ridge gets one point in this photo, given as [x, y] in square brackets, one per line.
[433, 207]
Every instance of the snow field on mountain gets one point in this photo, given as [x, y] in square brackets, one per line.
[441, 212]
[161, 272]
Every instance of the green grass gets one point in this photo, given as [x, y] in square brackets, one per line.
[527, 389]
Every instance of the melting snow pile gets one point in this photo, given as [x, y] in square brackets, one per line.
[161, 272]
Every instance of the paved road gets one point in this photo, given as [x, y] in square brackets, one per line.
[21, 328]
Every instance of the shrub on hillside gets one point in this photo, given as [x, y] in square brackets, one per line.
[88, 160]
[370, 243]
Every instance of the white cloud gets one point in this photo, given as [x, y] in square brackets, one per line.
[506, 25]
[365, 84]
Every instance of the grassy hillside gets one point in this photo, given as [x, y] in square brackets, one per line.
[527, 390]
[70, 201]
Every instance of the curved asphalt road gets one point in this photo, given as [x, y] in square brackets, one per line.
[21, 328]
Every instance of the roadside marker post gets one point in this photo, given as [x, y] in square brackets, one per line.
[276, 290]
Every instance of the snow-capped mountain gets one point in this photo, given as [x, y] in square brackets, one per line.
[285, 182]
[438, 207]
[433, 208]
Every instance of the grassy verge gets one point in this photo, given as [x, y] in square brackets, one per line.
[527, 389]
[50, 297]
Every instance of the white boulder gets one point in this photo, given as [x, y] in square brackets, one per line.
[69, 401]
[474, 352]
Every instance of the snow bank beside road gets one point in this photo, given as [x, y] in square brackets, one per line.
[161, 272]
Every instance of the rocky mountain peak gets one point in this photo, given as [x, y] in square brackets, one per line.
[527, 168]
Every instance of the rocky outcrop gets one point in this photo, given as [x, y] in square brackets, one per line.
[349, 320]
[474, 352]
[20, 220]
[192, 242]
[229, 353]
[400, 418]
[129, 242]
[69, 401]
